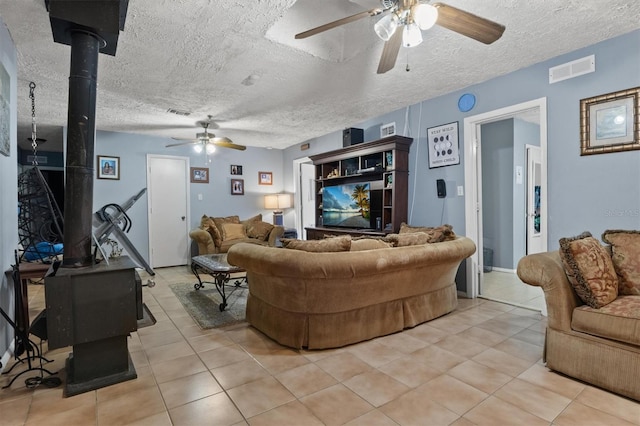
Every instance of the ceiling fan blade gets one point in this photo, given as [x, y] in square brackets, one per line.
[226, 143]
[193, 142]
[468, 24]
[185, 139]
[390, 52]
[330, 25]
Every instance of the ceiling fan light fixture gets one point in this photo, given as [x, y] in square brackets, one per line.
[425, 15]
[386, 26]
[411, 36]
[211, 148]
[197, 148]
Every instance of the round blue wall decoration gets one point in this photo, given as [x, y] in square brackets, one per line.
[466, 102]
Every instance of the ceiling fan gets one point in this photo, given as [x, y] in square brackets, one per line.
[207, 141]
[404, 20]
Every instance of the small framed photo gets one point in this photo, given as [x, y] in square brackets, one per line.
[265, 178]
[108, 167]
[236, 170]
[199, 175]
[237, 186]
[610, 123]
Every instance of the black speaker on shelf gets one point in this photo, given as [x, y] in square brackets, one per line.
[352, 136]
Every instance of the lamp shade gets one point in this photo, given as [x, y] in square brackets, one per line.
[277, 201]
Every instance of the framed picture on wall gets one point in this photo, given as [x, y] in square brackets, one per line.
[443, 145]
[237, 186]
[610, 122]
[236, 169]
[108, 167]
[265, 178]
[199, 175]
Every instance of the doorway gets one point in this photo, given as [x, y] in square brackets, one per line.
[516, 235]
[304, 189]
[168, 201]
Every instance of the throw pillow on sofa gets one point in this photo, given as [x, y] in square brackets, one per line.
[360, 244]
[408, 239]
[258, 229]
[233, 231]
[589, 269]
[334, 244]
[625, 250]
[436, 234]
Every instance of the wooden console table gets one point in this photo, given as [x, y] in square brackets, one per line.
[318, 232]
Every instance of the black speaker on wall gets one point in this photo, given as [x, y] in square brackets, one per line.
[352, 136]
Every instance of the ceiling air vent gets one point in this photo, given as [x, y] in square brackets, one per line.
[572, 69]
[178, 112]
[387, 130]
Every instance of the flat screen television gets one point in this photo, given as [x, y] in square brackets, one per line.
[347, 205]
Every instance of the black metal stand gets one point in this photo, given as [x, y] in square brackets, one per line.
[220, 280]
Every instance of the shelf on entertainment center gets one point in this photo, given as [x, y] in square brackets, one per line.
[382, 166]
[319, 232]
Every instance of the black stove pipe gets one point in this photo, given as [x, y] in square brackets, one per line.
[81, 122]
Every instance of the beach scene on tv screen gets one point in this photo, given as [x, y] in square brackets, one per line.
[346, 205]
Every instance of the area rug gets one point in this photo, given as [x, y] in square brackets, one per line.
[203, 305]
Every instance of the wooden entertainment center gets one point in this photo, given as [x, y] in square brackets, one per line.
[382, 167]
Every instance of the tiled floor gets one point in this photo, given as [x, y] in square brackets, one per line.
[479, 365]
[506, 287]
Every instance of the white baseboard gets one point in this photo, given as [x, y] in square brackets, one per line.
[510, 271]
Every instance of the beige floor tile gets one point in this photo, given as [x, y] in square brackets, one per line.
[530, 336]
[438, 358]
[160, 339]
[259, 396]
[343, 366]
[534, 399]
[281, 360]
[610, 403]
[223, 356]
[216, 410]
[494, 411]
[503, 327]
[479, 376]
[520, 349]
[239, 373]
[189, 388]
[449, 324]
[541, 376]
[144, 381]
[168, 352]
[336, 405]
[427, 333]
[462, 422]
[15, 411]
[176, 368]
[131, 407]
[160, 419]
[577, 414]
[402, 342]
[503, 362]
[480, 335]
[374, 353]
[376, 387]
[305, 380]
[461, 346]
[412, 371]
[81, 415]
[452, 394]
[208, 342]
[414, 408]
[372, 418]
[291, 414]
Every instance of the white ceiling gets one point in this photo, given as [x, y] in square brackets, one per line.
[239, 62]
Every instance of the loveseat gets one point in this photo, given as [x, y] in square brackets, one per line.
[596, 340]
[325, 299]
[218, 234]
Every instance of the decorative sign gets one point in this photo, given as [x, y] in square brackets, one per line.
[443, 145]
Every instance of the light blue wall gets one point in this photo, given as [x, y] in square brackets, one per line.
[9, 190]
[592, 193]
[217, 199]
[497, 191]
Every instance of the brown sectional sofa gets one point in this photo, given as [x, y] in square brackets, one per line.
[599, 346]
[326, 300]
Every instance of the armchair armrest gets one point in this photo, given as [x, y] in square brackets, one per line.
[545, 270]
[204, 241]
[275, 234]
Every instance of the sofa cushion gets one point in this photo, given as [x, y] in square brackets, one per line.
[233, 231]
[227, 244]
[218, 222]
[408, 239]
[258, 229]
[625, 253]
[618, 320]
[334, 244]
[255, 218]
[436, 234]
[360, 244]
[216, 234]
[589, 269]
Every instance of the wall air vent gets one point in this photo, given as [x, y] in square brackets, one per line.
[387, 130]
[178, 112]
[572, 69]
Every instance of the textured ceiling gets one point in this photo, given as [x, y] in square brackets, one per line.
[239, 62]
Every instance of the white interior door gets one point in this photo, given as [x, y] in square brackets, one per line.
[307, 196]
[168, 192]
[534, 200]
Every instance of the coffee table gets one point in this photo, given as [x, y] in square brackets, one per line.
[217, 266]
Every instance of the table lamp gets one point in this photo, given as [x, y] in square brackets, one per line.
[277, 202]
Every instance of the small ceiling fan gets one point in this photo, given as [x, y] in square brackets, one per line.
[404, 20]
[207, 141]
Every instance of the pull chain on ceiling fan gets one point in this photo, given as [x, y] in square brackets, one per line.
[405, 20]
